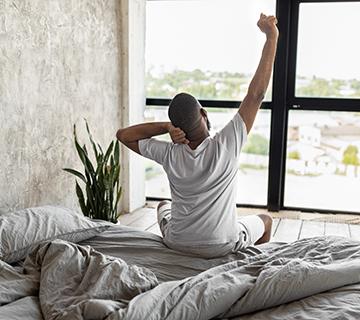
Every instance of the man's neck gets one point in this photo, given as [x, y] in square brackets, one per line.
[195, 143]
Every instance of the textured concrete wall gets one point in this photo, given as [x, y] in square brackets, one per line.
[59, 63]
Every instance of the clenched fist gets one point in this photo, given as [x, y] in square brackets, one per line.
[267, 24]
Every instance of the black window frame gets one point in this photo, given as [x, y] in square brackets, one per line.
[283, 101]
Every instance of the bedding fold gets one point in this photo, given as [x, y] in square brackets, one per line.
[74, 281]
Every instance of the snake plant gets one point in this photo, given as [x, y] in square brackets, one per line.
[102, 190]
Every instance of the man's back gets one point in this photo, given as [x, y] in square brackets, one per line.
[203, 185]
[203, 181]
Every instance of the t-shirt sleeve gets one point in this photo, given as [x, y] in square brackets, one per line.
[233, 136]
[154, 149]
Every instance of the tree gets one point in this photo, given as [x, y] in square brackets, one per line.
[294, 155]
[257, 144]
[318, 87]
[350, 157]
[202, 84]
[355, 85]
[233, 85]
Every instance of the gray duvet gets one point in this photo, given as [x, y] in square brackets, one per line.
[316, 278]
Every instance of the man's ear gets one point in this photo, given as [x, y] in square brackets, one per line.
[205, 115]
[203, 112]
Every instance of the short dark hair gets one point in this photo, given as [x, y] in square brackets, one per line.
[184, 112]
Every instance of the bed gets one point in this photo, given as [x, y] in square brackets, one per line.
[123, 273]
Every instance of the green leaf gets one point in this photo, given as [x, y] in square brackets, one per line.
[101, 150]
[91, 139]
[98, 192]
[108, 152]
[107, 205]
[76, 173]
[117, 152]
[90, 198]
[116, 174]
[85, 160]
[100, 164]
[84, 148]
[80, 152]
[111, 172]
[117, 182]
[83, 155]
[74, 132]
[118, 196]
[80, 196]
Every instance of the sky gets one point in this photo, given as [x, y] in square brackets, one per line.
[221, 35]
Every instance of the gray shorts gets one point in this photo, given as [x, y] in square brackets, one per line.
[251, 229]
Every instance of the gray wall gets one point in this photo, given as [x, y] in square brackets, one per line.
[59, 63]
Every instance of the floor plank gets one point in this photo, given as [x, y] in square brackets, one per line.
[275, 226]
[284, 230]
[146, 221]
[288, 230]
[128, 218]
[354, 231]
[337, 229]
[312, 229]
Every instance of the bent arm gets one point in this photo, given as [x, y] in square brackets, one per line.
[258, 85]
[131, 135]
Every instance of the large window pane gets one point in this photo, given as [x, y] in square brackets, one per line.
[328, 63]
[323, 160]
[207, 48]
[253, 166]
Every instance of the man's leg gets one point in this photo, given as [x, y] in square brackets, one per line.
[256, 229]
[267, 219]
[163, 215]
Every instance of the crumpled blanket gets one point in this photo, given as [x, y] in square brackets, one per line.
[69, 281]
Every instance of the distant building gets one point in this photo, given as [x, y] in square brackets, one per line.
[293, 133]
[310, 135]
[343, 129]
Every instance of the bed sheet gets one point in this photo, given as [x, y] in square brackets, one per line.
[315, 278]
[148, 250]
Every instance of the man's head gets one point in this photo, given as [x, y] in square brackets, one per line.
[186, 113]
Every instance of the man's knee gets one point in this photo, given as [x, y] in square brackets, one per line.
[268, 220]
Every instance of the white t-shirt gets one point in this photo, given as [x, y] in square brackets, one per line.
[203, 185]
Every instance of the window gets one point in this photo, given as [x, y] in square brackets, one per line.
[303, 151]
[328, 63]
[323, 160]
[206, 48]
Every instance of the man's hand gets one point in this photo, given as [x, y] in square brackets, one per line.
[267, 24]
[177, 135]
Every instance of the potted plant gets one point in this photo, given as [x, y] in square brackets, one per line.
[102, 180]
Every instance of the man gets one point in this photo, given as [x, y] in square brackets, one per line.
[202, 170]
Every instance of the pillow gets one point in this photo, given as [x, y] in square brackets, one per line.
[22, 230]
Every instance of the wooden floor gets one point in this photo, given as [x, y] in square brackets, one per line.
[284, 230]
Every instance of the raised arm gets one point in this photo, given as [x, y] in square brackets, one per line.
[131, 135]
[259, 83]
